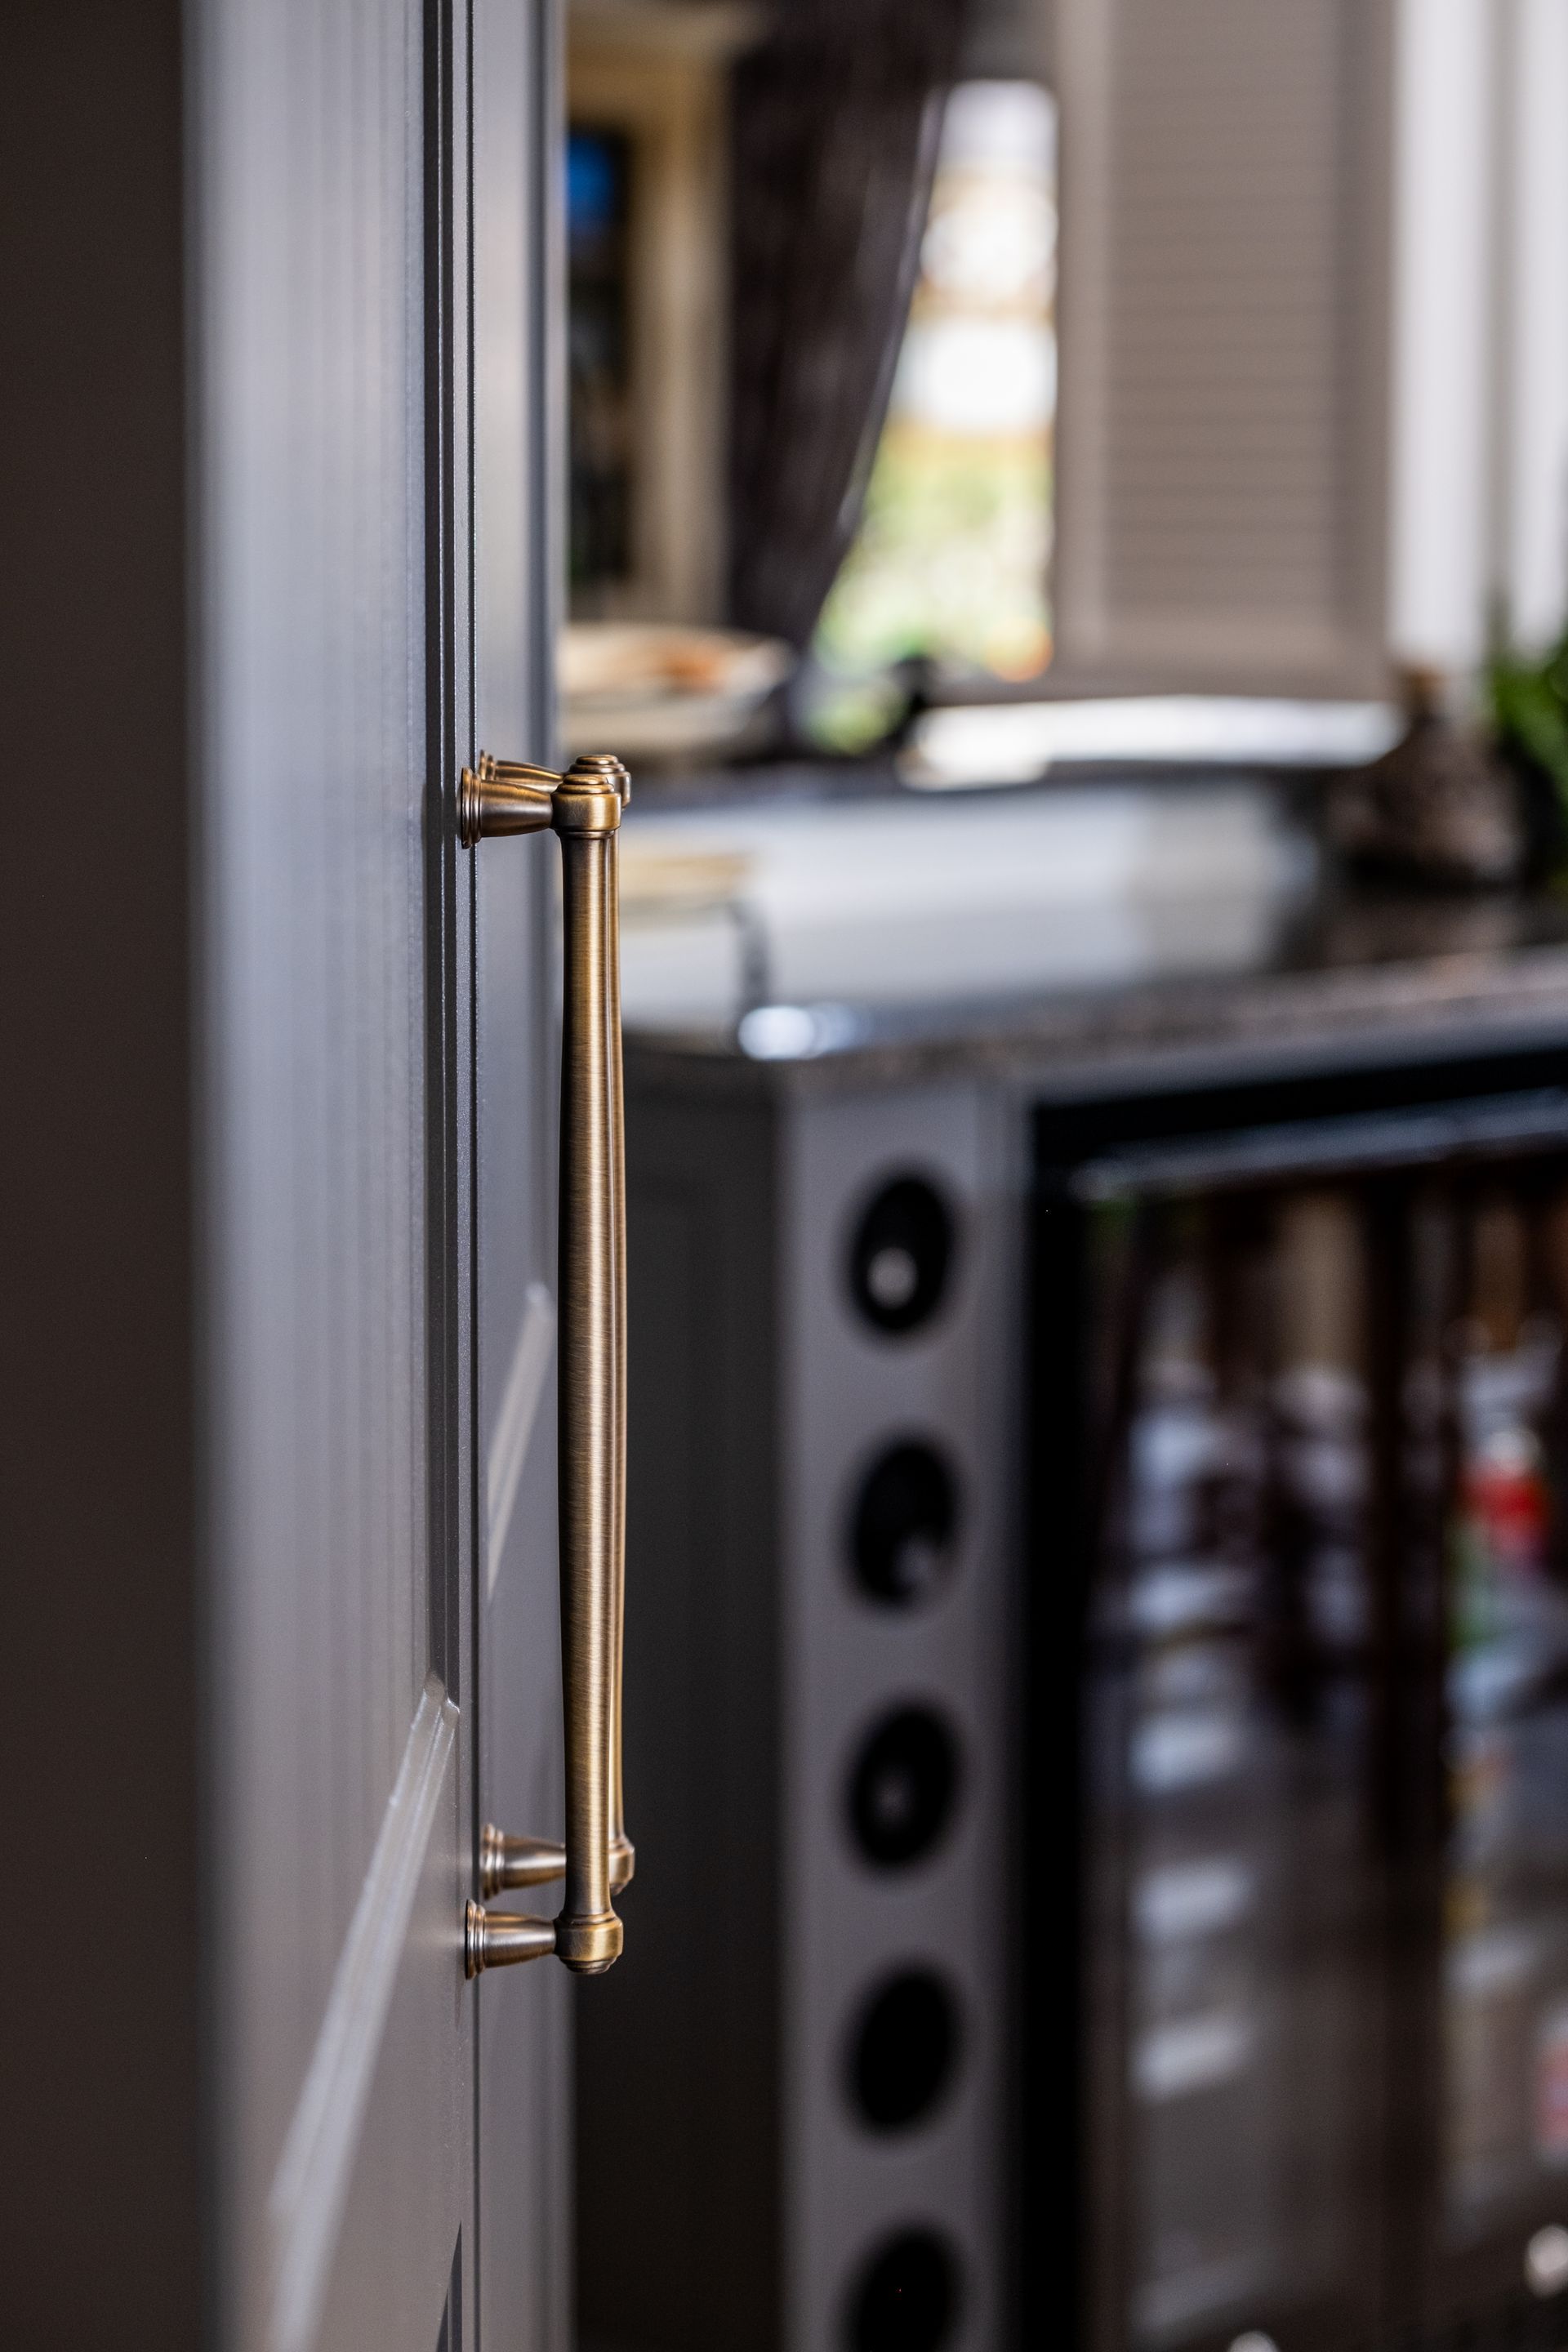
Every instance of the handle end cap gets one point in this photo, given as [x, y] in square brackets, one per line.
[589, 1944]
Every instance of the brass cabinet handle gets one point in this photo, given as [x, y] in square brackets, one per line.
[583, 808]
[510, 1861]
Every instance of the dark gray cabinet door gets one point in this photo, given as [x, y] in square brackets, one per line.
[525, 2154]
[369, 386]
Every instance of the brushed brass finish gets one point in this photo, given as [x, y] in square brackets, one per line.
[622, 1855]
[510, 1862]
[587, 815]
[583, 808]
[502, 796]
[499, 1939]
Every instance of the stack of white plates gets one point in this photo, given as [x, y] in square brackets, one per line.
[656, 690]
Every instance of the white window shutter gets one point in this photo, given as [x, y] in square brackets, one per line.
[1222, 464]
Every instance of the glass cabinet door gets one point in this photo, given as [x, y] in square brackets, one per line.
[1325, 1753]
[1233, 1870]
[1499, 2230]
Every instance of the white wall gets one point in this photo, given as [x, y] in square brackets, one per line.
[1533, 536]
[1478, 471]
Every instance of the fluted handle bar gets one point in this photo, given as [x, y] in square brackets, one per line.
[583, 808]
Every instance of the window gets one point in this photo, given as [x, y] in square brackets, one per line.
[950, 560]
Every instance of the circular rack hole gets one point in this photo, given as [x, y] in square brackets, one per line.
[902, 1255]
[905, 1524]
[902, 1787]
[904, 2049]
[906, 2297]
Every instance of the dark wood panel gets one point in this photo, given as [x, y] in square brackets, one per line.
[99, 2160]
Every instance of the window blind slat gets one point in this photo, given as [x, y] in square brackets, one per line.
[1221, 451]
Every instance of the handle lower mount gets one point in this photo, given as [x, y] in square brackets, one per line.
[583, 808]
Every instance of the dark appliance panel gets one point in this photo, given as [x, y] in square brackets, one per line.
[1306, 1387]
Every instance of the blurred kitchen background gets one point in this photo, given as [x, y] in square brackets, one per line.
[1068, 521]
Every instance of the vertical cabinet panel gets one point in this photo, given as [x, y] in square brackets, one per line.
[524, 2245]
[333, 585]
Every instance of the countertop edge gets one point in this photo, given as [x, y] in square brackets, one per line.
[1484, 1000]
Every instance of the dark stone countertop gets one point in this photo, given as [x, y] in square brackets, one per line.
[1360, 976]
